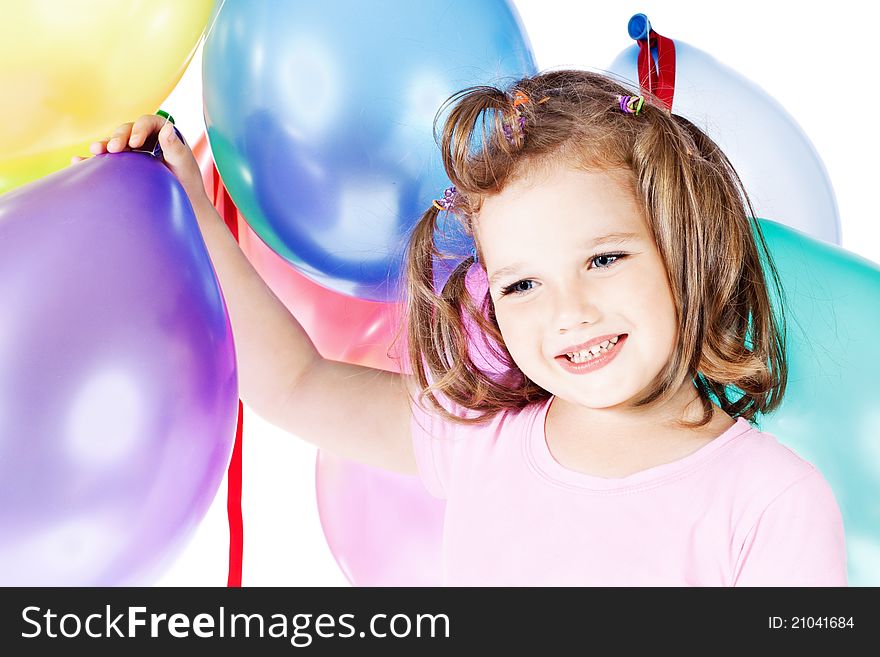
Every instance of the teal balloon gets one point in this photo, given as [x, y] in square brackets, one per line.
[829, 415]
[320, 118]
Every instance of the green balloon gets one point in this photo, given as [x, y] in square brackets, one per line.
[828, 415]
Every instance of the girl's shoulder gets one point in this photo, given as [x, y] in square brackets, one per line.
[504, 421]
[440, 443]
[760, 466]
[760, 451]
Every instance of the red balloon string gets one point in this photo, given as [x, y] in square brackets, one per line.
[233, 508]
[234, 478]
[230, 214]
[658, 79]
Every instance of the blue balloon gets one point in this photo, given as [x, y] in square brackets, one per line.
[320, 118]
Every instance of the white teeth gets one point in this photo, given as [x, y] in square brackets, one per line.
[592, 352]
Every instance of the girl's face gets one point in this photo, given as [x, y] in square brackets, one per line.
[570, 258]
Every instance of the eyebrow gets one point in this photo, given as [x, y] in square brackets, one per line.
[620, 236]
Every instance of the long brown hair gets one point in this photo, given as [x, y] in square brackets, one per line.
[697, 209]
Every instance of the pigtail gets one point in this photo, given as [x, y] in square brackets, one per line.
[440, 344]
[419, 299]
[470, 144]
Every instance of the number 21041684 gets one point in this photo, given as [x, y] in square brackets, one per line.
[810, 622]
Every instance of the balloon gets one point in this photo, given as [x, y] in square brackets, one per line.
[320, 119]
[71, 71]
[829, 415]
[118, 385]
[342, 328]
[779, 167]
[383, 528]
[14, 173]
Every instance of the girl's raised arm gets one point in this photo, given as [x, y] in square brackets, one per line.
[356, 412]
[353, 411]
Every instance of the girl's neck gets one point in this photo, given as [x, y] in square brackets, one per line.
[623, 421]
[619, 444]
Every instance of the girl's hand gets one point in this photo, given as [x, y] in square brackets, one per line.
[178, 156]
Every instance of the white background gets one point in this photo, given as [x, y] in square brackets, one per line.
[821, 64]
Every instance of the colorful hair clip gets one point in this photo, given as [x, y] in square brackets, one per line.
[631, 104]
[520, 98]
[447, 203]
[518, 121]
[474, 254]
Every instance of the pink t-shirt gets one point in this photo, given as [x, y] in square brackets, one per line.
[743, 510]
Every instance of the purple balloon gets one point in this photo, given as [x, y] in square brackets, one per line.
[118, 384]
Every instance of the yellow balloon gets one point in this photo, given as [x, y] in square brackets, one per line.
[14, 173]
[71, 71]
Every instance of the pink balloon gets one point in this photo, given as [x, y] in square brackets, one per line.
[343, 328]
[383, 528]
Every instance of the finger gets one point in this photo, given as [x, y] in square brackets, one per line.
[119, 138]
[114, 145]
[76, 158]
[173, 146]
[98, 147]
[166, 134]
[146, 124]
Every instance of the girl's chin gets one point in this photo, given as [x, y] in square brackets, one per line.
[597, 401]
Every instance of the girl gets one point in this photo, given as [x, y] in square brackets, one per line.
[575, 411]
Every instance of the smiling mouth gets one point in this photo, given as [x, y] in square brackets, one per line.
[593, 353]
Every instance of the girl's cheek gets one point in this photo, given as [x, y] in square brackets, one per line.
[525, 325]
[511, 321]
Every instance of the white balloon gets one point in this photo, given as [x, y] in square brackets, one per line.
[779, 167]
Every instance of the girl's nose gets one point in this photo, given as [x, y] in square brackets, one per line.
[574, 307]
